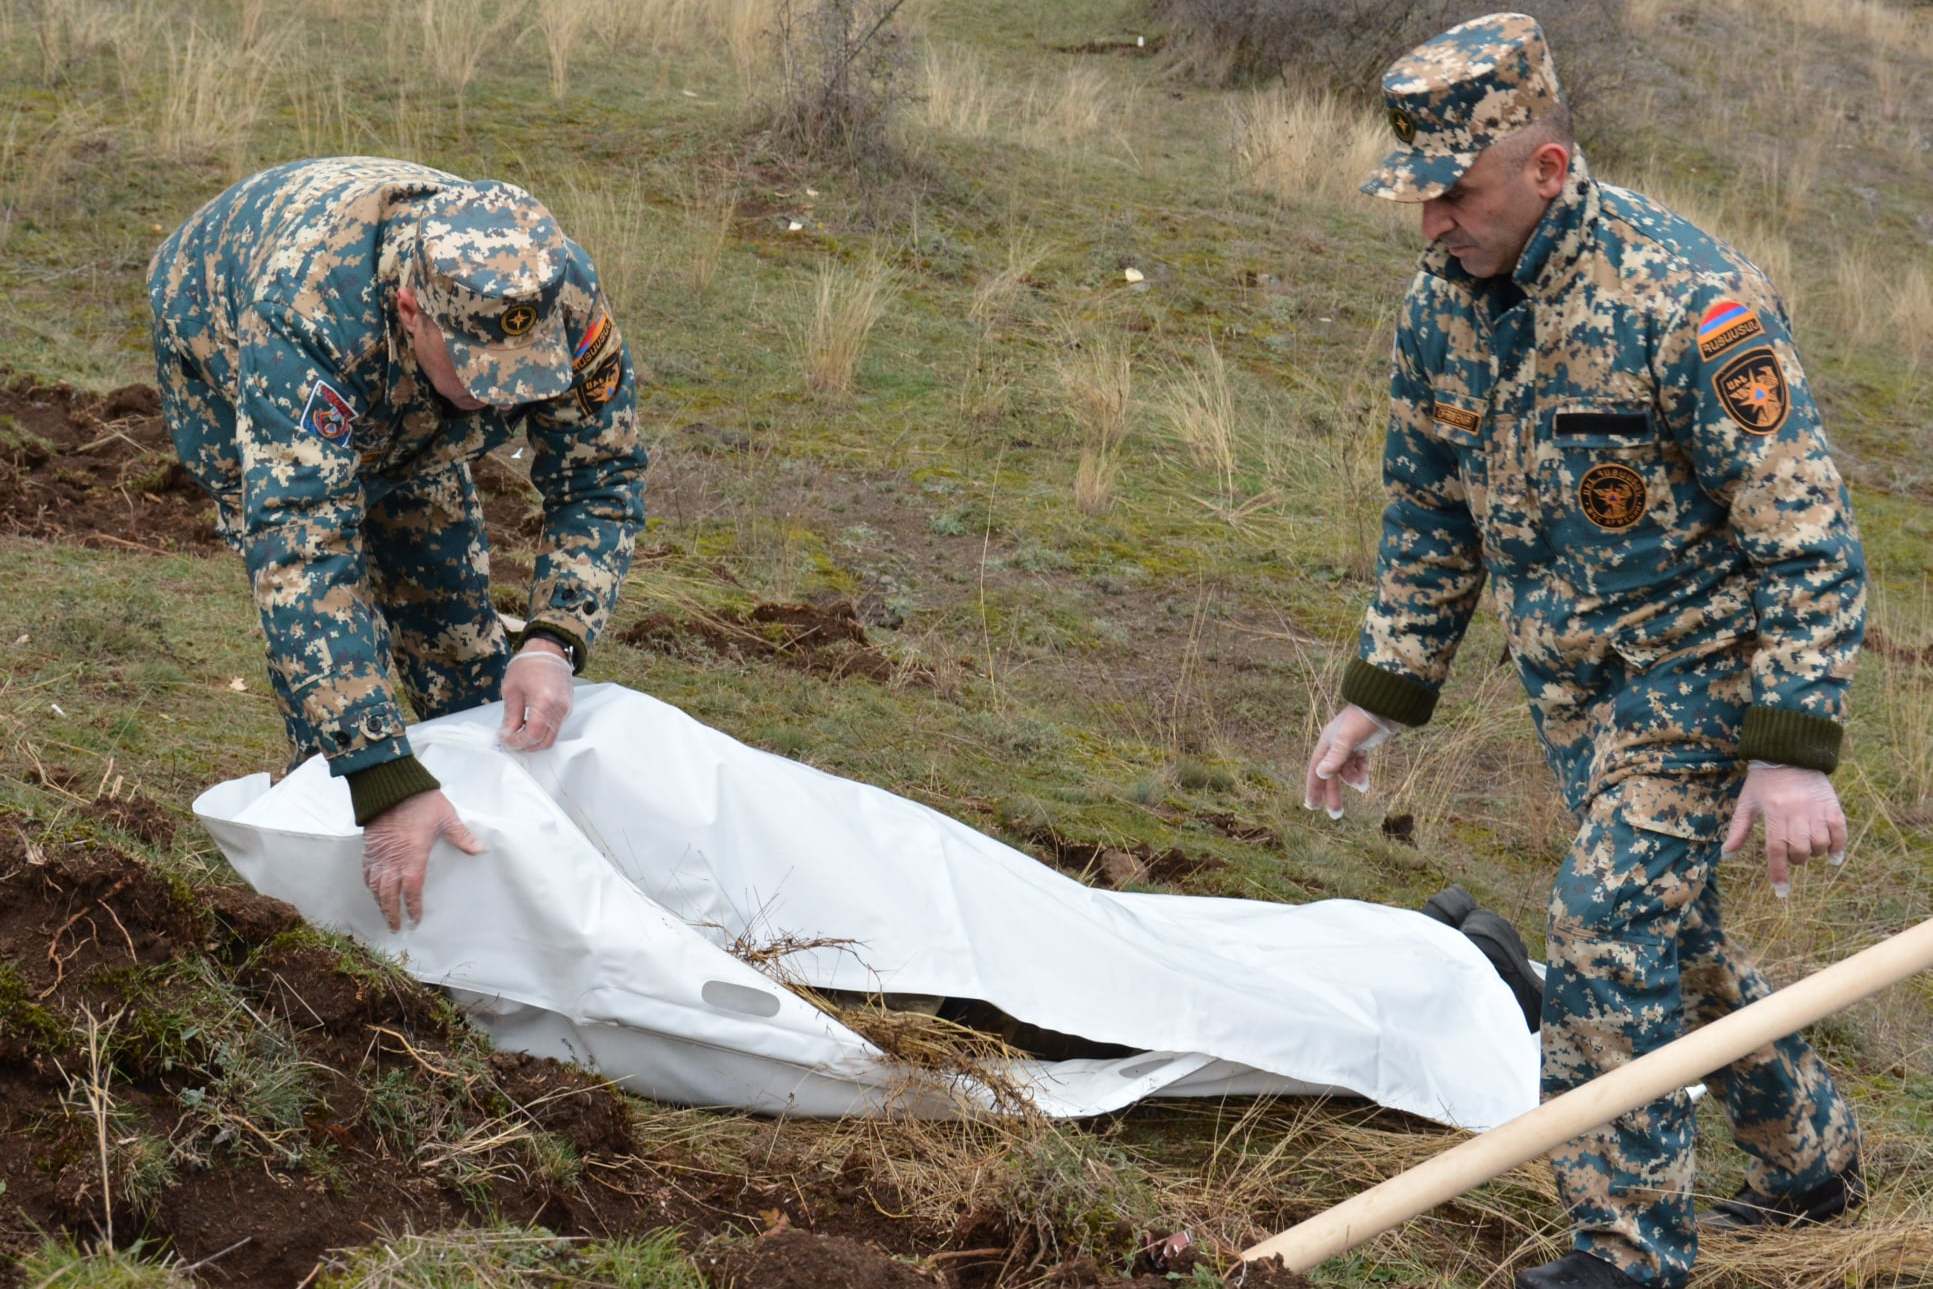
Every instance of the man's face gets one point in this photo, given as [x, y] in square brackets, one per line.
[433, 355]
[1485, 220]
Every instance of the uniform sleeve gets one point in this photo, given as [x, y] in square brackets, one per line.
[1429, 567]
[589, 466]
[302, 508]
[1738, 400]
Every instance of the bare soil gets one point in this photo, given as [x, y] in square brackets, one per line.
[824, 639]
[96, 470]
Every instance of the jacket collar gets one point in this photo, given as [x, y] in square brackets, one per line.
[1561, 236]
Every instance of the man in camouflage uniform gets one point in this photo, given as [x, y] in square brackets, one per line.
[335, 341]
[1600, 408]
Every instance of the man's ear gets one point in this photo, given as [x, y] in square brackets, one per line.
[406, 308]
[1549, 166]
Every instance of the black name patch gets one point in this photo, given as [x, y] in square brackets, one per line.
[1617, 425]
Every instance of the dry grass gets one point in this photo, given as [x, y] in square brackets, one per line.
[846, 305]
[1069, 110]
[956, 95]
[1902, 640]
[710, 205]
[1323, 452]
[458, 34]
[213, 96]
[747, 27]
[1197, 404]
[1294, 145]
[996, 295]
[563, 24]
[607, 215]
[37, 165]
[1096, 380]
[68, 33]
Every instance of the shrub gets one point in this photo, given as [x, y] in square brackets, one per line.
[841, 65]
[1346, 44]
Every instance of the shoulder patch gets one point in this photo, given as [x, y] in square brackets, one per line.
[597, 366]
[1753, 392]
[1457, 418]
[327, 413]
[1725, 325]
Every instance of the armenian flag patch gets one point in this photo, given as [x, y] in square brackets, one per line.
[327, 413]
[1726, 323]
[597, 366]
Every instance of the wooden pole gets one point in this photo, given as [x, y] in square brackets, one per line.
[1537, 1132]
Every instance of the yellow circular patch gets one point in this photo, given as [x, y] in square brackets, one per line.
[519, 318]
[1404, 125]
[1612, 496]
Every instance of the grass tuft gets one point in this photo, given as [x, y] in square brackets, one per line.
[846, 305]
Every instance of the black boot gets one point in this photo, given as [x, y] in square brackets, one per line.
[1505, 949]
[1450, 906]
[1749, 1209]
[1575, 1270]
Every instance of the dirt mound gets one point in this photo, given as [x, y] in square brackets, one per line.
[1116, 866]
[96, 470]
[254, 1082]
[112, 803]
[798, 1260]
[823, 639]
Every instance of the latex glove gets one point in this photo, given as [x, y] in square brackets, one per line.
[536, 697]
[396, 852]
[1338, 757]
[1802, 819]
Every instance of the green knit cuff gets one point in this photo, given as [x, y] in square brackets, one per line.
[376, 789]
[1791, 738]
[1388, 695]
[580, 653]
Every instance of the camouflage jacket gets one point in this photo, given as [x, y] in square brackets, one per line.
[1621, 438]
[280, 294]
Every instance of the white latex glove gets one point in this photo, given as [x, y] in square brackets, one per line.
[1338, 757]
[536, 697]
[1802, 819]
[396, 852]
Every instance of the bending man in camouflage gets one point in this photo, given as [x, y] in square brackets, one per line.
[1599, 407]
[336, 340]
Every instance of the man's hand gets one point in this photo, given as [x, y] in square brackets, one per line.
[1802, 819]
[396, 852]
[1339, 758]
[536, 696]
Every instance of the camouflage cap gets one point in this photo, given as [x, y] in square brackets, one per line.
[1455, 95]
[489, 266]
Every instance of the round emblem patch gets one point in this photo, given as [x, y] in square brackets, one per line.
[1752, 389]
[519, 318]
[1612, 495]
[1401, 122]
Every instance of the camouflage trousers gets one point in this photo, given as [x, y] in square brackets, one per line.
[1636, 959]
[426, 561]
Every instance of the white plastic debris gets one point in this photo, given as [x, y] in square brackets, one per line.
[238, 685]
[1133, 275]
[623, 862]
[793, 225]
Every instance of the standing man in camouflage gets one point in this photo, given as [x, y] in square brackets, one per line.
[336, 340]
[1599, 407]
